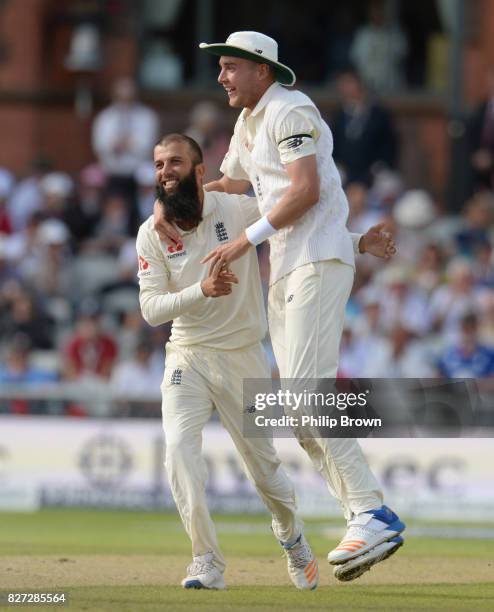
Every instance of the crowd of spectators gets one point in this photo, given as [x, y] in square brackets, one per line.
[69, 308]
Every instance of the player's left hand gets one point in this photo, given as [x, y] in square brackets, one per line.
[378, 242]
[226, 253]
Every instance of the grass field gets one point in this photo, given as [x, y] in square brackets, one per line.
[134, 561]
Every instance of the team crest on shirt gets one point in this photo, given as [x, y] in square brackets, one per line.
[176, 377]
[221, 233]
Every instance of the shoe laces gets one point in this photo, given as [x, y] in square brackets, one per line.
[200, 565]
[299, 555]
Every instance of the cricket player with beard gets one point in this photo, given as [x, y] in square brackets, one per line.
[215, 343]
[283, 149]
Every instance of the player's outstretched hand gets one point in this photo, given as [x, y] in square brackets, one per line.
[229, 252]
[378, 242]
[220, 279]
[166, 231]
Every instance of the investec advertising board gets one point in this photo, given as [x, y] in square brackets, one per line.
[119, 463]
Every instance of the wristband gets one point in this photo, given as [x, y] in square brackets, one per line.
[260, 231]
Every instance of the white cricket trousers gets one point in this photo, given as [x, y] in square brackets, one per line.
[306, 311]
[195, 382]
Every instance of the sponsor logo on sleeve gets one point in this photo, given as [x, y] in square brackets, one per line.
[143, 266]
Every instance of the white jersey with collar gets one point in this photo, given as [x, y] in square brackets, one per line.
[170, 277]
[260, 145]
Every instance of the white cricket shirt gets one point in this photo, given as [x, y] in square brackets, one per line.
[170, 277]
[284, 126]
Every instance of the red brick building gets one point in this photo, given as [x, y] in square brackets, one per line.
[38, 91]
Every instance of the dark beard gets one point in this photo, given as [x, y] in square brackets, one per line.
[183, 205]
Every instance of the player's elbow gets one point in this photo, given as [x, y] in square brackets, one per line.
[308, 194]
[150, 315]
[149, 318]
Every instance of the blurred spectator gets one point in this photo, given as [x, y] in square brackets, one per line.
[7, 270]
[146, 195]
[369, 322]
[126, 271]
[7, 182]
[387, 187]
[123, 137]
[453, 300]
[49, 273]
[207, 129]
[430, 268]
[22, 246]
[362, 339]
[136, 378]
[21, 315]
[16, 367]
[400, 356]
[84, 211]
[112, 229]
[120, 297]
[161, 68]
[481, 139]
[350, 364]
[130, 327]
[27, 196]
[483, 264]
[401, 302]
[379, 49]
[486, 321]
[414, 214]
[467, 357]
[363, 131]
[360, 217]
[56, 188]
[477, 219]
[89, 352]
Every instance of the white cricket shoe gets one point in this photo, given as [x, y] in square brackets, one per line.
[366, 531]
[356, 567]
[302, 565]
[203, 574]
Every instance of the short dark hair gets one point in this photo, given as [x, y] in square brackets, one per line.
[195, 149]
[351, 71]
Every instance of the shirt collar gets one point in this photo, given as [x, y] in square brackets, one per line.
[208, 206]
[265, 98]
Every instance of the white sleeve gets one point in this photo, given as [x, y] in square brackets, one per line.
[296, 134]
[231, 166]
[355, 241]
[158, 305]
[250, 209]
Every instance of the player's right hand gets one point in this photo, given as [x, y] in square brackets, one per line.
[219, 281]
[166, 231]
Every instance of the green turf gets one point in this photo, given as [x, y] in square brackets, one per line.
[75, 532]
[83, 532]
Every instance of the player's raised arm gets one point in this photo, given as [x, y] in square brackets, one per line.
[301, 195]
[228, 185]
[158, 304]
